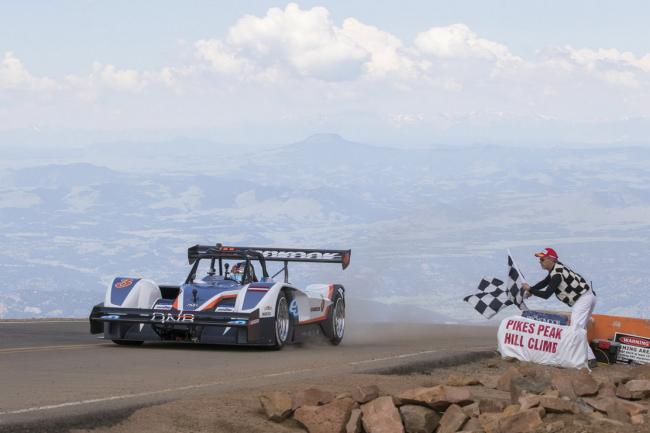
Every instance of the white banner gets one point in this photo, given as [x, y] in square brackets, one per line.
[542, 343]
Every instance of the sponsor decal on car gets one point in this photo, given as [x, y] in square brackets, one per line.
[300, 255]
[171, 317]
[124, 282]
[254, 322]
[163, 307]
[110, 317]
[225, 309]
[293, 308]
[237, 322]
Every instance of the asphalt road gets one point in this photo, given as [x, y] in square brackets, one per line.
[53, 370]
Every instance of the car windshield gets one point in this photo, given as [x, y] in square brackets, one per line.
[239, 271]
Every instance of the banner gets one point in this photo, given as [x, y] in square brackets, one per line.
[542, 343]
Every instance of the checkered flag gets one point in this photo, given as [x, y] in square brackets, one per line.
[491, 298]
[515, 293]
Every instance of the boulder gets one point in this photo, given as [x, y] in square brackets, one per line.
[461, 380]
[606, 387]
[419, 419]
[528, 401]
[381, 416]
[639, 387]
[511, 409]
[437, 397]
[602, 403]
[489, 381]
[491, 405]
[354, 423]
[472, 425]
[329, 418]
[563, 385]
[616, 411]
[472, 410]
[503, 384]
[583, 383]
[641, 372]
[277, 405]
[520, 422]
[554, 426]
[637, 419]
[363, 394]
[452, 420]
[527, 385]
[311, 397]
[558, 405]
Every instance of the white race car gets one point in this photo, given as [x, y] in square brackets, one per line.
[222, 301]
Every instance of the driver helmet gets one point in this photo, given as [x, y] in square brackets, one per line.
[237, 271]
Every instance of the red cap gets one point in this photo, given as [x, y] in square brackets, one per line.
[550, 252]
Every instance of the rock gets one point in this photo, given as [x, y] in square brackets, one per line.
[492, 363]
[617, 412]
[331, 417]
[472, 425]
[583, 383]
[554, 426]
[558, 405]
[511, 409]
[637, 419]
[492, 405]
[520, 422]
[381, 416]
[611, 422]
[601, 404]
[472, 410]
[437, 397]
[552, 393]
[606, 387]
[419, 419]
[354, 423]
[583, 406]
[623, 392]
[563, 385]
[277, 405]
[461, 380]
[311, 397]
[527, 385]
[452, 420]
[488, 381]
[641, 372]
[363, 394]
[528, 401]
[639, 387]
[343, 395]
[489, 421]
[503, 384]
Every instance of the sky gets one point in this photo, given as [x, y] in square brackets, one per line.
[402, 73]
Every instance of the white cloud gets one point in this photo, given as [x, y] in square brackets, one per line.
[306, 41]
[457, 41]
[14, 76]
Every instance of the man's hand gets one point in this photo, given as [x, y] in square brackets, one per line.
[526, 288]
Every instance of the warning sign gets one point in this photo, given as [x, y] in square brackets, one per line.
[633, 349]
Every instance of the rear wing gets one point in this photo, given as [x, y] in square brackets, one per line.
[271, 254]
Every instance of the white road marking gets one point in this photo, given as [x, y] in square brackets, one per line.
[209, 384]
[41, 348]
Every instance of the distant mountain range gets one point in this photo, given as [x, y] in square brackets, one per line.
[424, 225]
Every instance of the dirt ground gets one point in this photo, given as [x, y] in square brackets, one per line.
[240, 411]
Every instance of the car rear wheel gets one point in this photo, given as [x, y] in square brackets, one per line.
[282, 321]
[128, 342]
[334, 325]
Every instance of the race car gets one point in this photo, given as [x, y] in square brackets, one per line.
[222, 301]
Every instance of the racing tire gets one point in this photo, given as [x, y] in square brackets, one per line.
[128, 342]
[282, 321]
[334, 326]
